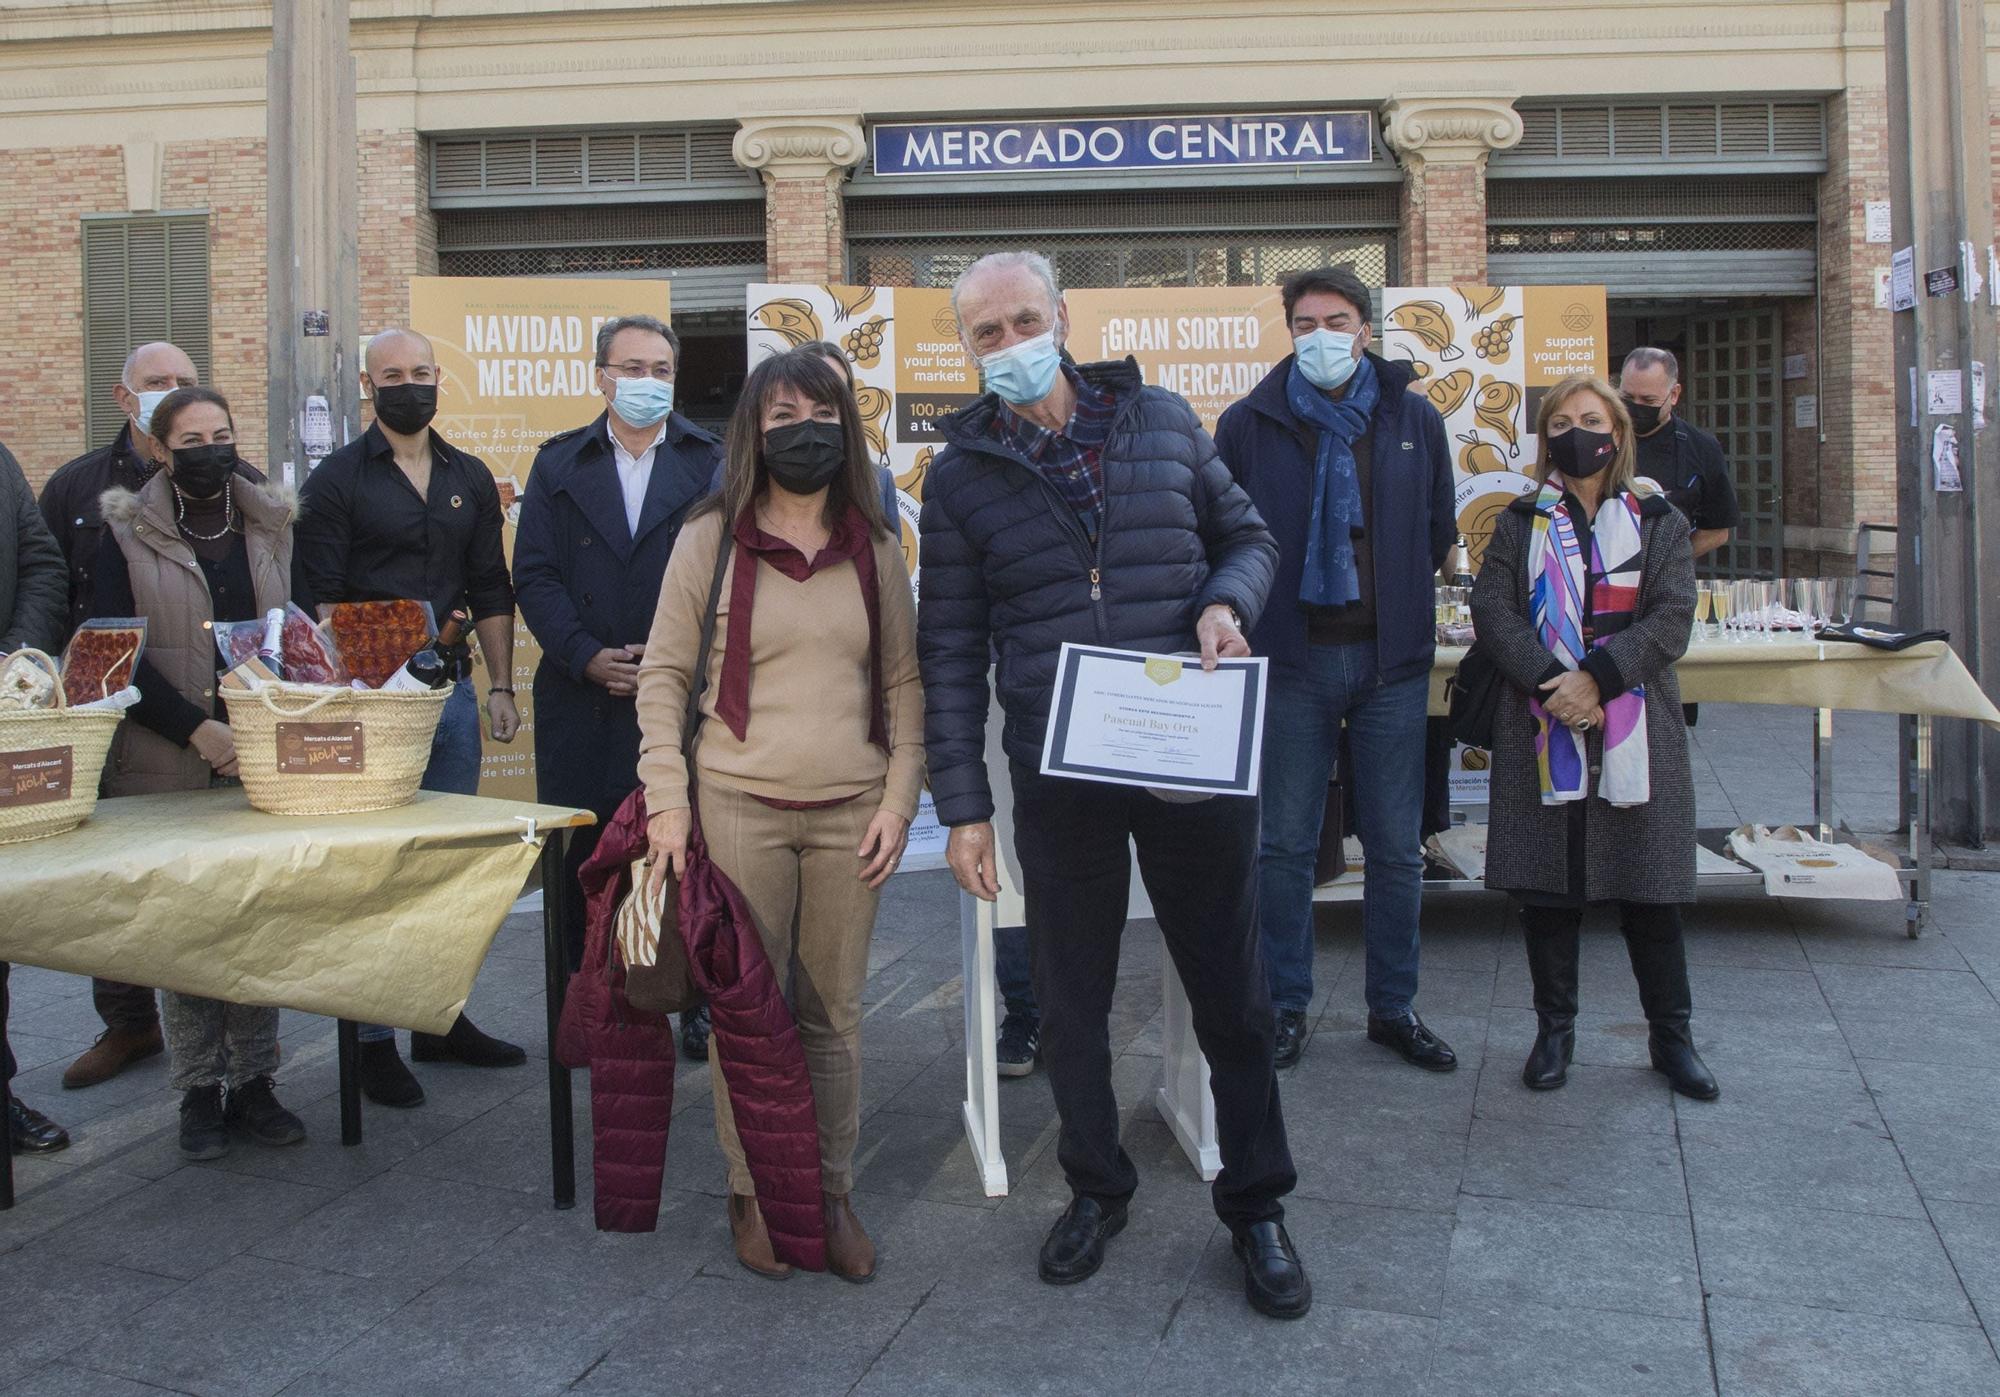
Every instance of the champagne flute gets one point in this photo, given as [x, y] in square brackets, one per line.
[1723, 604]
[1769, 595]
[1701, 598]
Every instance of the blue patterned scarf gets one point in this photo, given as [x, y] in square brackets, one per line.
[1329, 578]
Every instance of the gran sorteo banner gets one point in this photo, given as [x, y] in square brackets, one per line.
[1483, 354]
[518, 355]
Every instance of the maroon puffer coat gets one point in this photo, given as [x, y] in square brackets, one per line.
[631, 1054]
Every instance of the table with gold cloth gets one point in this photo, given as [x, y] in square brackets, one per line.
[379, 917]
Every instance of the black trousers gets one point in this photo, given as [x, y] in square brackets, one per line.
[6, 1048]
[1199, 864]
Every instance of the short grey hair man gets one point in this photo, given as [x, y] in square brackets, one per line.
[1647, 357]
[1042, 269]
[611, 329]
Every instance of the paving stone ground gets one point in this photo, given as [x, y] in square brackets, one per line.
[1830, 1226]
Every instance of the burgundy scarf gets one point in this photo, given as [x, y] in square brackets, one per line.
[851, 540]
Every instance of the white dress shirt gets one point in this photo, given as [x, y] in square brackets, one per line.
[633, 473]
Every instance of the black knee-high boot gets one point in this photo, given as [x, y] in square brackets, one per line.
[1659, 963]
[1551, 934]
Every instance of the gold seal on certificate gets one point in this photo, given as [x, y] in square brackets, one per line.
[1135, 719]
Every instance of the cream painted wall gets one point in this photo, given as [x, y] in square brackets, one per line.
[84, 71]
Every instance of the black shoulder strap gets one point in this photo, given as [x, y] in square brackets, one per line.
[698, 680]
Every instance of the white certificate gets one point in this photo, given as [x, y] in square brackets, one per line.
[1134, 719]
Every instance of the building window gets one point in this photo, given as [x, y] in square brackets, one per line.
[144, 278]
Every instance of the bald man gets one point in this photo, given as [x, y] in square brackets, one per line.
[402, 514]
[69, 504]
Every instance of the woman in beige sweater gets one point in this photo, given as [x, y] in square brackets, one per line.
[810, 751]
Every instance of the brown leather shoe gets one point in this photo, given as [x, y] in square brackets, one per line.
[115, 1050]
[849, 1253]
[753, 1240]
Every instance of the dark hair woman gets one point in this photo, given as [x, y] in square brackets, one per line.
[1584, 600]
[200, 543]
[810, 752]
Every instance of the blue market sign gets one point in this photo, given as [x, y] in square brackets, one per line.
[1151, 143]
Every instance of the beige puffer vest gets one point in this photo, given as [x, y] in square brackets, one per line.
[172, 594]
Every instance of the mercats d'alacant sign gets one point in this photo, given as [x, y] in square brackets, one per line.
[1123, 143]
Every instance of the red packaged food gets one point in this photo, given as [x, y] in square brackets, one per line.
[101, 657]
[311, 657]
[376, 637]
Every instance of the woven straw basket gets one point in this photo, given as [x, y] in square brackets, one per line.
[388, 757]
[55, 735]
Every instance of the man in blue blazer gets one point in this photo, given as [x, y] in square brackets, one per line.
[602, 508]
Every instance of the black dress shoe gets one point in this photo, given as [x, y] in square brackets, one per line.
[1075, 1246]
[1416, 1043]
[1291, 1038]
[384, 1079]
[1274, 1279]
[31, 1132]
[465, 1044]
[254, 1109]
[694, 1033]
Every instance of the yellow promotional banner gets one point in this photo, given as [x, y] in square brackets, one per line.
[518, 355]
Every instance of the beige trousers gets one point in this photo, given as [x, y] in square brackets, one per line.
[798, 871]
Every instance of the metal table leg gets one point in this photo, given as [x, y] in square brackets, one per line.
[348, 1036]
[1918, 908]
[1822, 760]
[555, 964]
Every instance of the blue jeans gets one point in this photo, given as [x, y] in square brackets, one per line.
[453, 769]
[1011, 970]
[1385, 733]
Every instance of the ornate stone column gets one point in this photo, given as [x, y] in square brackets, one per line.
[803, 160]
[1443, 141]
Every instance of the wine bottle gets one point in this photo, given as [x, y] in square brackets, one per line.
[433, 666]
[272, 651]
[1461, 563]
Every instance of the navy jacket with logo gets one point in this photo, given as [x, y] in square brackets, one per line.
[1411, 517]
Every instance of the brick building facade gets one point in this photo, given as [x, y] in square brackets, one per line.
[426, 78]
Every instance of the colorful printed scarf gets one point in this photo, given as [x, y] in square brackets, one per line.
[1555, 595]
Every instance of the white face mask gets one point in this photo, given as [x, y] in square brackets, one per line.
[149, 402]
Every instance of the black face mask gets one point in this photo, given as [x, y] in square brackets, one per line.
[1646, 417]
[804, 457]
[1579, 454]
[406, 407]
[200, 472]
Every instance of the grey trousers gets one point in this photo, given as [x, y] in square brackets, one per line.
[210, 1042]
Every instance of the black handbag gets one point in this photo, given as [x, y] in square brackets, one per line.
[1472, 697]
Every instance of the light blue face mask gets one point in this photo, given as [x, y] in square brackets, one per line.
[643, 402]
[149, 402]
[1326, 357]
[1023, 373]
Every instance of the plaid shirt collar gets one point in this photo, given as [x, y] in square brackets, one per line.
[1067, 458]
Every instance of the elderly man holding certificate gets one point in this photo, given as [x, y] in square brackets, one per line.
[1076, 509]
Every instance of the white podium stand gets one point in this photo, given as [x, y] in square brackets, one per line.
[1183, 1096]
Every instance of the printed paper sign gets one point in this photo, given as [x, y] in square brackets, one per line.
[321, 749]
[1903, 279]
[1876, 220]
[519, 360]
[1944, 392]
[35, 778]
[1805, 410]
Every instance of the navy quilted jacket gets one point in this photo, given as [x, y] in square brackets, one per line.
[1009, 574]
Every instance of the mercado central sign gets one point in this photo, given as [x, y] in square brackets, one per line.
[1123, 143]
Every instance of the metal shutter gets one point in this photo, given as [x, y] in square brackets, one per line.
[640, 164]
[144, 279]
[707, 249]
[1695, 137]
[1152, 237]
[1659, 235]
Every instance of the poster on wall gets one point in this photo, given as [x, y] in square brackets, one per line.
[518, 357]
[1484, 355]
